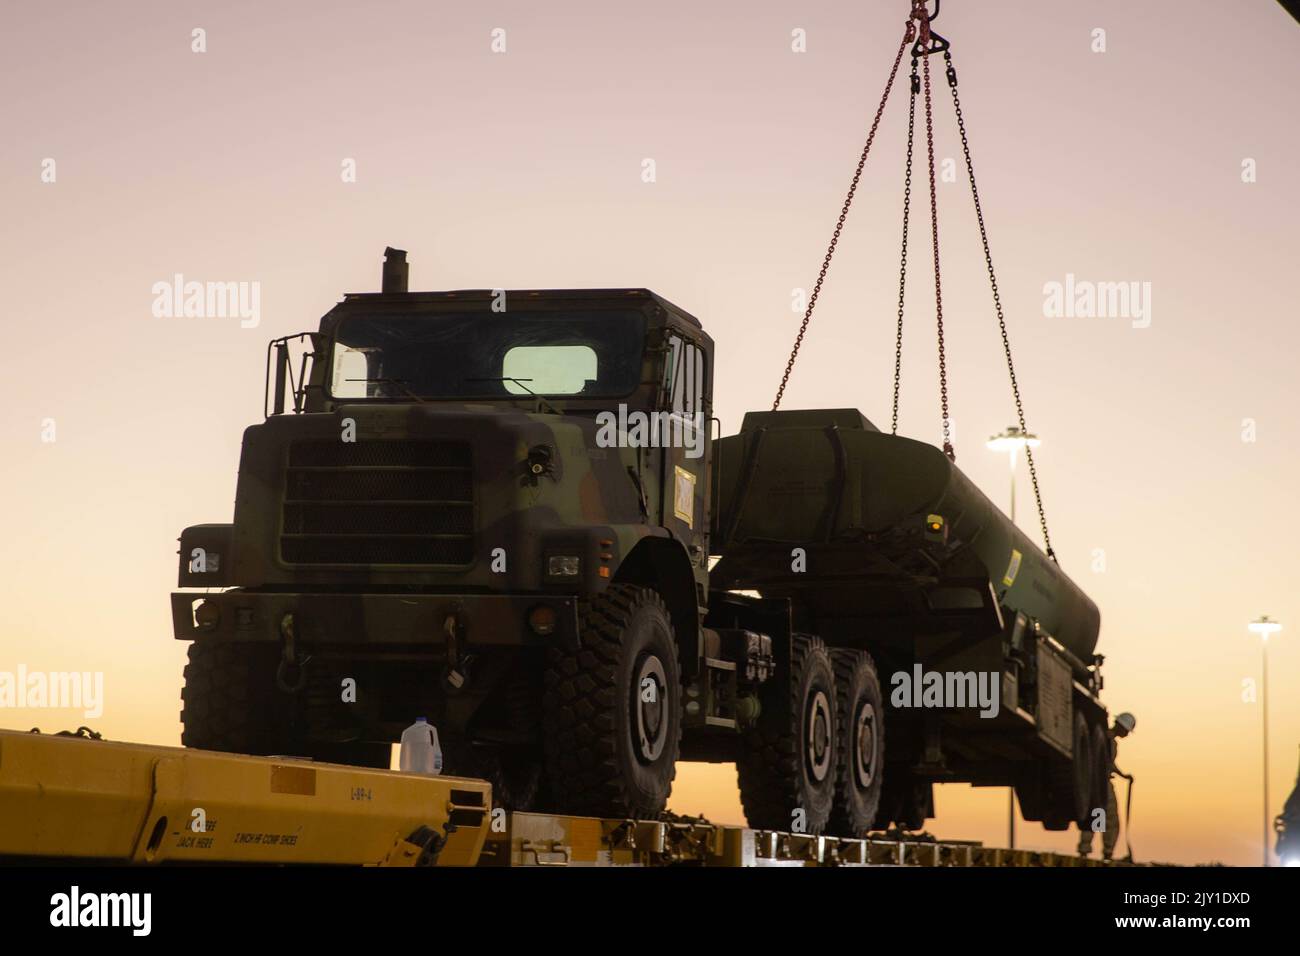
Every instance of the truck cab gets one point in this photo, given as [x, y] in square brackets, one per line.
[443, 484]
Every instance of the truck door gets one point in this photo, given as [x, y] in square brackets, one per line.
[684, 437]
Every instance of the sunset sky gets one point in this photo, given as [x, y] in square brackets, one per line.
[1171, 443]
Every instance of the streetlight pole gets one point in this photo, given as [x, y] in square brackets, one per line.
[1011, 440]
[1264, 626]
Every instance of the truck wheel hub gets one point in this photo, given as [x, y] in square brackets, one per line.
[864, 753]
[649, 708]
[819, 736]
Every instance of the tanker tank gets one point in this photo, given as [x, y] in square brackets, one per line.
[880, 518]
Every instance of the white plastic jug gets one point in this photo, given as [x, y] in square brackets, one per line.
[420, 750]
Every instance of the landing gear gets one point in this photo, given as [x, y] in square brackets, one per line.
[613, 709]
[905, 801]
[788, 760]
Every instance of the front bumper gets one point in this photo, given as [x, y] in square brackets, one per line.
[374, 619]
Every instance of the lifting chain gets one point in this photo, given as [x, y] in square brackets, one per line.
[926, 47]
[909, 34]
[997, 303]
[927, 42]
[902, 263]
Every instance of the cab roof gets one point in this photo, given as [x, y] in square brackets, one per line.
[655, 306]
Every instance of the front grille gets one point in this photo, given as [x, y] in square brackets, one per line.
[380, 502]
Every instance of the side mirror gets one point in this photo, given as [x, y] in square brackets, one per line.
[278, 350]
[281, 369]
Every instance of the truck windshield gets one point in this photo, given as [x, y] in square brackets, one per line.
[591, 354]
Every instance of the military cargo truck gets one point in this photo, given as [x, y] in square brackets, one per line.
[498, 509]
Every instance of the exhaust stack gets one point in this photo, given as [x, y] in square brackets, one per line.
[396, 270]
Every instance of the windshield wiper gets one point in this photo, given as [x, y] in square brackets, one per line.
[520, 382]
[400, 382]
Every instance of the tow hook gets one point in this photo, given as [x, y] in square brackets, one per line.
[291, 674]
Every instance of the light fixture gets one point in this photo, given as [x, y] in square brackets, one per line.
[1264, 626]
[563, 566]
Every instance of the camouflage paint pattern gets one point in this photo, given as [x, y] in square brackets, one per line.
[539, 484]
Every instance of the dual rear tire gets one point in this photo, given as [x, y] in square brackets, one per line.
[813, 763]
[859, 777]
[613, 723]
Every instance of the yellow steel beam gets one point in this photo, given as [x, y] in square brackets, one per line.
[74, 798]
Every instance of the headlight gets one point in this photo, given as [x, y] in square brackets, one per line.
[563, 566]
[207, 616]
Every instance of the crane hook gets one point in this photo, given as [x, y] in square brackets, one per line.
[937, 43]
[920, 12]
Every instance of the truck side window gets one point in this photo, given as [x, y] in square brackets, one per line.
[698, 393]
[685, 408]
[680, 374]
[685, 378]
[672, 371]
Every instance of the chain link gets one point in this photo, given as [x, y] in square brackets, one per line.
[902, 265]
[997, 304]
[934, 237]
[908, 35]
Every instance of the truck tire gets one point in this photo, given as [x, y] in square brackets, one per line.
[230, 703]
[514, 772]
[787, 760]
[610, 746]
[859, 765]
[229, 698]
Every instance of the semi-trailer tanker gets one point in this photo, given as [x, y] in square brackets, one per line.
[498, 509]
[880, 543]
